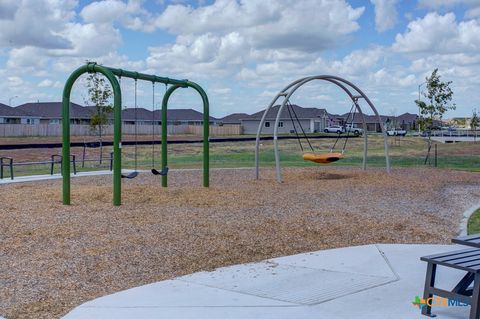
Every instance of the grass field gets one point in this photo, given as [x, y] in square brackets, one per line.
[473, 226]
[404, 152]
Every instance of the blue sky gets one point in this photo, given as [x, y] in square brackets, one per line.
[243, 52]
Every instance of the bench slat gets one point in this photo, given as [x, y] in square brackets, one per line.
[468, 237]
[465, 259]
[450, 253]
[460, 257]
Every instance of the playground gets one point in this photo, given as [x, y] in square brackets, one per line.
[176, 209]
[57, 257]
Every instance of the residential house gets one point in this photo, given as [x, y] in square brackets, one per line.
[140, 115]
[406, 121]
[311, 119]
[11, 115]
[356, 120]
[233, 119]
[183, 117]
[51, 112]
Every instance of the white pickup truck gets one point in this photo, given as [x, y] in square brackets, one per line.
[343, 129]
[354, 130]
[396, 132]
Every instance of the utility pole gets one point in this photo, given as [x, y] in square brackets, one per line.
[419, 98]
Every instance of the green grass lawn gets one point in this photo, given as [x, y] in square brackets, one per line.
[410, 152]
[473, 225]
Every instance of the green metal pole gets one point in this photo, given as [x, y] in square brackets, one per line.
[206, 132]
[117, 155]
[66, 132]
[165, 132]
[117, 129]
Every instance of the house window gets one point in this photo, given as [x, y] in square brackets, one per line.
[280, 124]
[267, 124]
[54, 121]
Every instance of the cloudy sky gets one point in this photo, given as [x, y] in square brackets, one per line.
[243, 51]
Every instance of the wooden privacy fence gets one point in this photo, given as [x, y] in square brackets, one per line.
[17, 130]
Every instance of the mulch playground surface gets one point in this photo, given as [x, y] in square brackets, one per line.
[55, 257]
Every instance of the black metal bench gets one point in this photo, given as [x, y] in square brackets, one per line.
[467, 260]
[100, 157]
[54, 159]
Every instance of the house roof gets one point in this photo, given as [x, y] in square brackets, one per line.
[182, 115]
[301, 112]
[141, 114]
[233, 118]
[7, 111]
[54, 110]
[407, 118]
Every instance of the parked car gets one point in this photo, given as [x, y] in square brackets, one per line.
[334, 129]
[355, 130]
[396, 132]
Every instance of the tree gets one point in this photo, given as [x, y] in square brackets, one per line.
[438, 98]
[99, 95]
[474, 122]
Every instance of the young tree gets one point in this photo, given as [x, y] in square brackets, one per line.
[474, 122]
[438, 98]
[99, 95]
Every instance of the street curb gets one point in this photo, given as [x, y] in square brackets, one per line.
[466, 217]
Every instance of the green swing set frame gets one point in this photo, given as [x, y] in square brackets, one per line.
[111, 74]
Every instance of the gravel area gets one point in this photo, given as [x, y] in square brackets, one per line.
[53, 257]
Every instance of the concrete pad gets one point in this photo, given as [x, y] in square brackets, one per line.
[357, 260]
[35, 178]
[298, 285]
[291, 287]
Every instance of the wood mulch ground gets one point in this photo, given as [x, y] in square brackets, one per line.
[55, 257]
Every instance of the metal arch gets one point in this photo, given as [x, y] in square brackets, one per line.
[323, 77]
[364, 124]
[262, 121]
[298, 83]
[382, 127]
[117, 107]
[206, 130]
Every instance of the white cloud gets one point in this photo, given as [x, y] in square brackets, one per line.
[8, 9]
[220, 90]
[130, 14]
[267, 24]
[435, 4]
[473, 13]
[473, 6]
[385, 14]
[105, 11]
[46, 83]
[439, 33]
[37, 23]
[358, 62]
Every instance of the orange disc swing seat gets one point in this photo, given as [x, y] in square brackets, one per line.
[324, 158]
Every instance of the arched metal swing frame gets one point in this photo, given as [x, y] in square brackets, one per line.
[111, 75]
[288, 91]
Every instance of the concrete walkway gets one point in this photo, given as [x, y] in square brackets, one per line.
[368, 282]
[33, 178]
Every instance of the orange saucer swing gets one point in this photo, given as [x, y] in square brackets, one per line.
[324, 158]
[321, 158]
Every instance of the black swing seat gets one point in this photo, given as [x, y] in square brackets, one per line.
[130, 175]
[163, 172]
